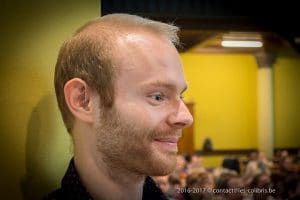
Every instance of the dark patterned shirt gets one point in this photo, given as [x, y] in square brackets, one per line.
[72, 188]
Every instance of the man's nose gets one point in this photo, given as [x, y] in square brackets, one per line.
[181, 118]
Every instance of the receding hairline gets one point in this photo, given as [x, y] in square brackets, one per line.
[115, 24]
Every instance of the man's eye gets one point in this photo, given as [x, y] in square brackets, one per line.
[158, 97]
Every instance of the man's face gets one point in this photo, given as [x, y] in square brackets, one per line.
[141, 131]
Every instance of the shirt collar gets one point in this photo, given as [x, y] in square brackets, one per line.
[72, 185]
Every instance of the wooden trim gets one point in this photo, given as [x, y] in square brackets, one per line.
[291, 150]
[222, 152]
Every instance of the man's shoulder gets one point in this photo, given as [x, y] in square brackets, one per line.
[71, 187]
[55, 195]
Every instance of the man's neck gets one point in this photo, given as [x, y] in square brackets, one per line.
[103, 181]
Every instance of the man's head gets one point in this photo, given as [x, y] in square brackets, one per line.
[120, 77]
[90, 54]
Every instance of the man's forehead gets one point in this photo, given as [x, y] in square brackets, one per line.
[130, 46]
[140, 52]
[140, 38]
[171, 85]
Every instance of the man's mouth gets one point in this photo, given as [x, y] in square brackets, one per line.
[168, 140]
[169, 143]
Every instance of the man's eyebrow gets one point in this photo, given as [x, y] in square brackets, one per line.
[170, 86]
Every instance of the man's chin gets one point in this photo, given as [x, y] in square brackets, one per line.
[161, 172]
[164, 164]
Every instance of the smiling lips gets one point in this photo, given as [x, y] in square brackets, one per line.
[168, 140]
[169, 143]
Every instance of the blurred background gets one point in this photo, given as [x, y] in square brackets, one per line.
[241, 60]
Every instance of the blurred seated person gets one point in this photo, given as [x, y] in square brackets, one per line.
[262, 181]
[220, 171]
[255, 167]
[292, 187]
[195, 164]
[231, 164]
[237, 184]
[288, 166]
[230, 181]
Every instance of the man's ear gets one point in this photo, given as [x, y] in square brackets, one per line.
[78, 97]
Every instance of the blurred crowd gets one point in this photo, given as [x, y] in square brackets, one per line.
[253, 178]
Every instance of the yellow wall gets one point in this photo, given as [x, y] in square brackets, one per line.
[287, 100]
[223, 88]
[34, 146]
